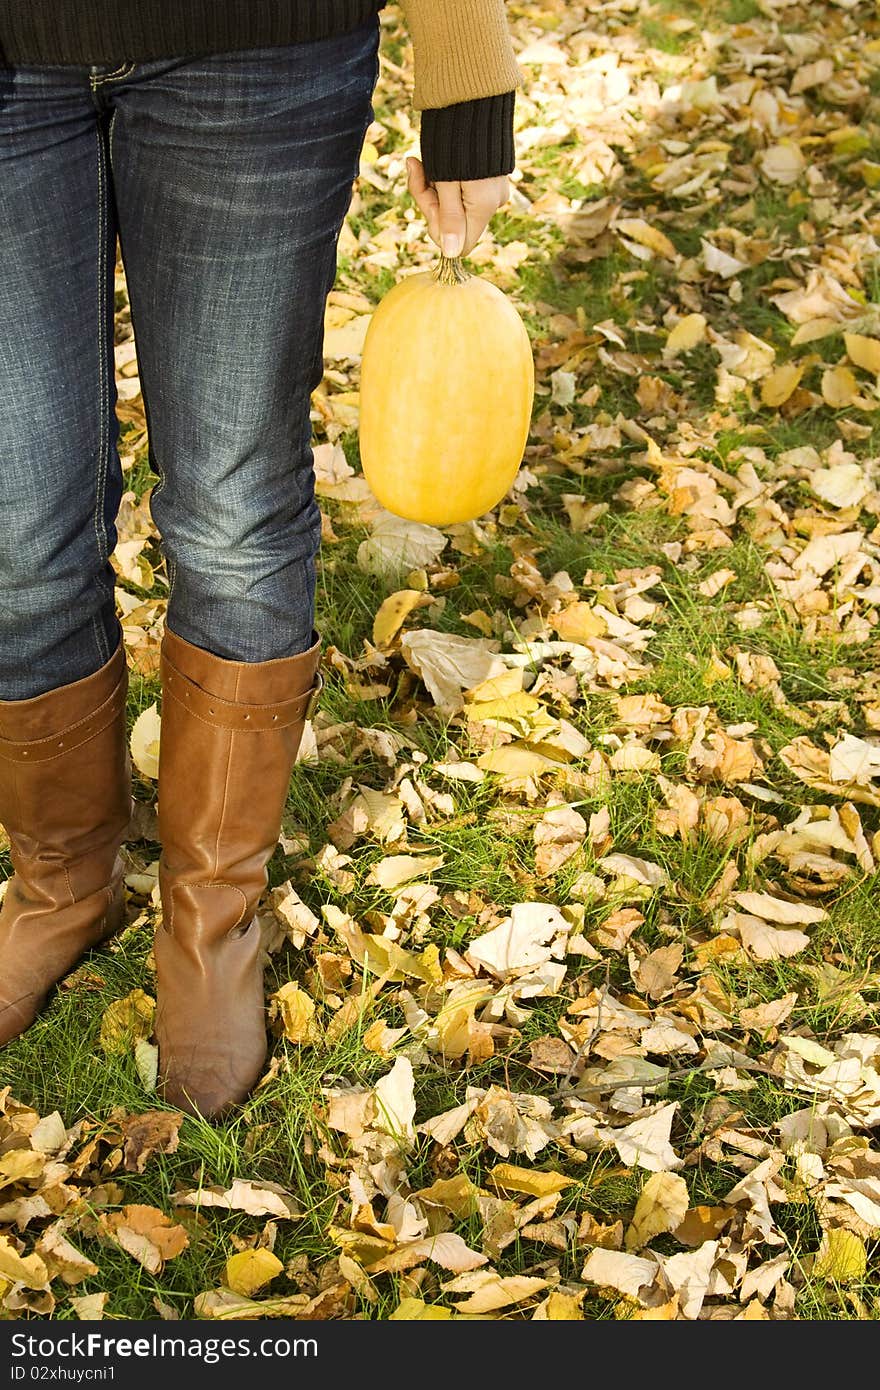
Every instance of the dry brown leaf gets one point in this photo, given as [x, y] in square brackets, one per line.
[156, 1131]
[145, 1233]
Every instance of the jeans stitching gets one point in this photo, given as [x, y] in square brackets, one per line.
[96, 81]
[104, 433]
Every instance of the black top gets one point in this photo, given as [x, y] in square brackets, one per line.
[471, 140]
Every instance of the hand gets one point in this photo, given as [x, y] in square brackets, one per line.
[457, 214]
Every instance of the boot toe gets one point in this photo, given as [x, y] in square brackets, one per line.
[206, 1089]
[16, 1015]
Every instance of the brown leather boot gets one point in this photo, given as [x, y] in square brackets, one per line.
[230, 735]
[65, 800]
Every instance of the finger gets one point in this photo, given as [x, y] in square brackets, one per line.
[482, 198]
[425, 196]
[453, 219]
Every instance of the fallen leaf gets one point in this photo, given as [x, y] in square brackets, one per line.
[126, 1021]
[624, 1274]
[449, 665]
[395, 1102]
[780, 384]
[662, 1206]
[657, 973]
[685, 335]
[296, 1010]
[156, 1131]
[144, 742]
[490, 1291]
[145, 1233]
[864, 352]
[396, 545]
[251, 1270]
[839, 387]
[397, 869]
[62, 1259]
[521, 942]
[841, 1257]
[769, 943]
[393, 613]
[532, 1181]
[29, 1270]
[772, 909]
[257, 1199]
[783, 163]
[646, 1142]
[446, 1249]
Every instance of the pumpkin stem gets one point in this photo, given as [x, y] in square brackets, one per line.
[450, 271]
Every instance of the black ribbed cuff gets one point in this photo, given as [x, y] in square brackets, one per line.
[472, 140]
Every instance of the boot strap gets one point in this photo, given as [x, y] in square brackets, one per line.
[226, 714]
[41, 750]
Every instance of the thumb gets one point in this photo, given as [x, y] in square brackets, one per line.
[452, 219]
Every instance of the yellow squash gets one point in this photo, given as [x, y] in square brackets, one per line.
[447, 384]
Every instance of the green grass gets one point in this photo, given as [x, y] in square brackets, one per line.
[488, 845]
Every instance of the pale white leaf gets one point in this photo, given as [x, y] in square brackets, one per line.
[519, 943]
[145, 741]
[395, 1102]
[613, 1269]
[646, 1141]
[777, 910]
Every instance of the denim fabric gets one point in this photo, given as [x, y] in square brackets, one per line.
[227, 180]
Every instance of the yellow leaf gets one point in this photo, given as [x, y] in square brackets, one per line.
[716, 670]
[564, 1307]
[532, 1181]
[662, 1206]
[841, 1257]
[578, 622]
[496, 687]
[515, 760]
[342, 340]
[686, 334]
[490, 1291]
[640, 231]
[126, 1020]
[145, 742]
[297, 1012]
[20, 1164]
[415, 1310]
[397, 869]
[813, 329]
[781, 383]
[393, 614]
[517, 706]
[864, 352]
[869, 171]
[664, 1312]
[29, 1270]
[458, 1194]
[251, 1270]
[839, 387]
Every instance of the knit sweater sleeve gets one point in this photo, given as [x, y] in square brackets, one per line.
[466, 77]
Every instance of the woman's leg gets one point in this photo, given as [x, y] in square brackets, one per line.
[64, 785]
[60, 482]
[233, 178]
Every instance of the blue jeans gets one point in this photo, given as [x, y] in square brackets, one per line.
[226, 180]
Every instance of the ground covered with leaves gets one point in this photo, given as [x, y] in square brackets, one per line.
[572, 931]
